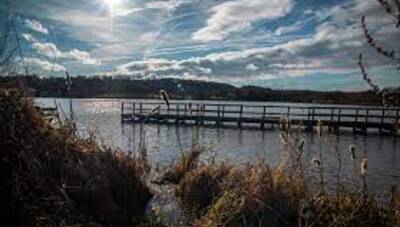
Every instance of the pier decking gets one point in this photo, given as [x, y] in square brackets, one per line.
[359, 119]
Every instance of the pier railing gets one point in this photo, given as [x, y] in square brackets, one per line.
[386, 120]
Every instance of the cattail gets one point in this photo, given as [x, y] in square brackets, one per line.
[301, 145]
[283, 139]
[164, 97]
[364, 166]
[319, 128]
[352, 149]
[317, 162]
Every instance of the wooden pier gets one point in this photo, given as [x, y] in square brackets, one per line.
[359, 119]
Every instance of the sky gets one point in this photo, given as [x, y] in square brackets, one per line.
[281, 44]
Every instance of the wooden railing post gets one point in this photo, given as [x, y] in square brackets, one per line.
[263, 117]
[133, 108]
[288, 116]
[122, 108]
[330, 128]
[177, 113]
[355, 122]
[313, 115]
[185, 110]
[203, 114]
[141, 107]
[366, 121]
[240, 116]
[382, 120]
[185, 114]
[219, 114]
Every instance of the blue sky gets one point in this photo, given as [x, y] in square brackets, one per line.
[292, 44]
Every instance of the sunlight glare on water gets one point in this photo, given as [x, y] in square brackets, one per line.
[165, 142]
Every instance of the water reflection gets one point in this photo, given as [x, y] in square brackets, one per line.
[165, 143]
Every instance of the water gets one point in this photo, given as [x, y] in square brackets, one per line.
[165, 142]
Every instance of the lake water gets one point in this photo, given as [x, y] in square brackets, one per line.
[165, 142]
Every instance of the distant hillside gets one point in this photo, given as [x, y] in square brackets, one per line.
[96, 87]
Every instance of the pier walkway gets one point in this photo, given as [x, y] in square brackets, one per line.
[359, 119]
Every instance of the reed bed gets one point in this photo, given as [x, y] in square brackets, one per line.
[49, 176]
[186, 163]
[263, 195]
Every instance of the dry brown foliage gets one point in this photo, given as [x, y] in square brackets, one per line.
[49, 177]
[188, 161]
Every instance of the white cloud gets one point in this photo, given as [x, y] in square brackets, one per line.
[251, 67]
[36, 26]
[291, 28]
[29, 38]
[149, 36]
[45, 65]
[47, 49]
[165, 5]
[234, 16]
[50, 50]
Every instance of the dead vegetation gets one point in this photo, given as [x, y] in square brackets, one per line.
[188, 162]
[261, 195]
[51, 177]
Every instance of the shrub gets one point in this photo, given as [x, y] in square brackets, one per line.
[50, 177]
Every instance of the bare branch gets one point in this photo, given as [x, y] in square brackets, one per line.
[391, 54]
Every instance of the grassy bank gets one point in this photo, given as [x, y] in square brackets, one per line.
[263, 195]
[49, 176]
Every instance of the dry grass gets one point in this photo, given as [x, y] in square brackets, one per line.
[188, 162]
[50, 177]
[260, 195]
[200, 187]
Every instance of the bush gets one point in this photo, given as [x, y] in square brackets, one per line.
[51, 177]
[260, 195]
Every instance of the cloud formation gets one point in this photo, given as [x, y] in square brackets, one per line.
[234, 16]
[44, 64]
[29, 38]
[50, 50]
[331, 50]
[36, 26]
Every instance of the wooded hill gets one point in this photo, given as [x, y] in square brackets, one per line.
[96, 87]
